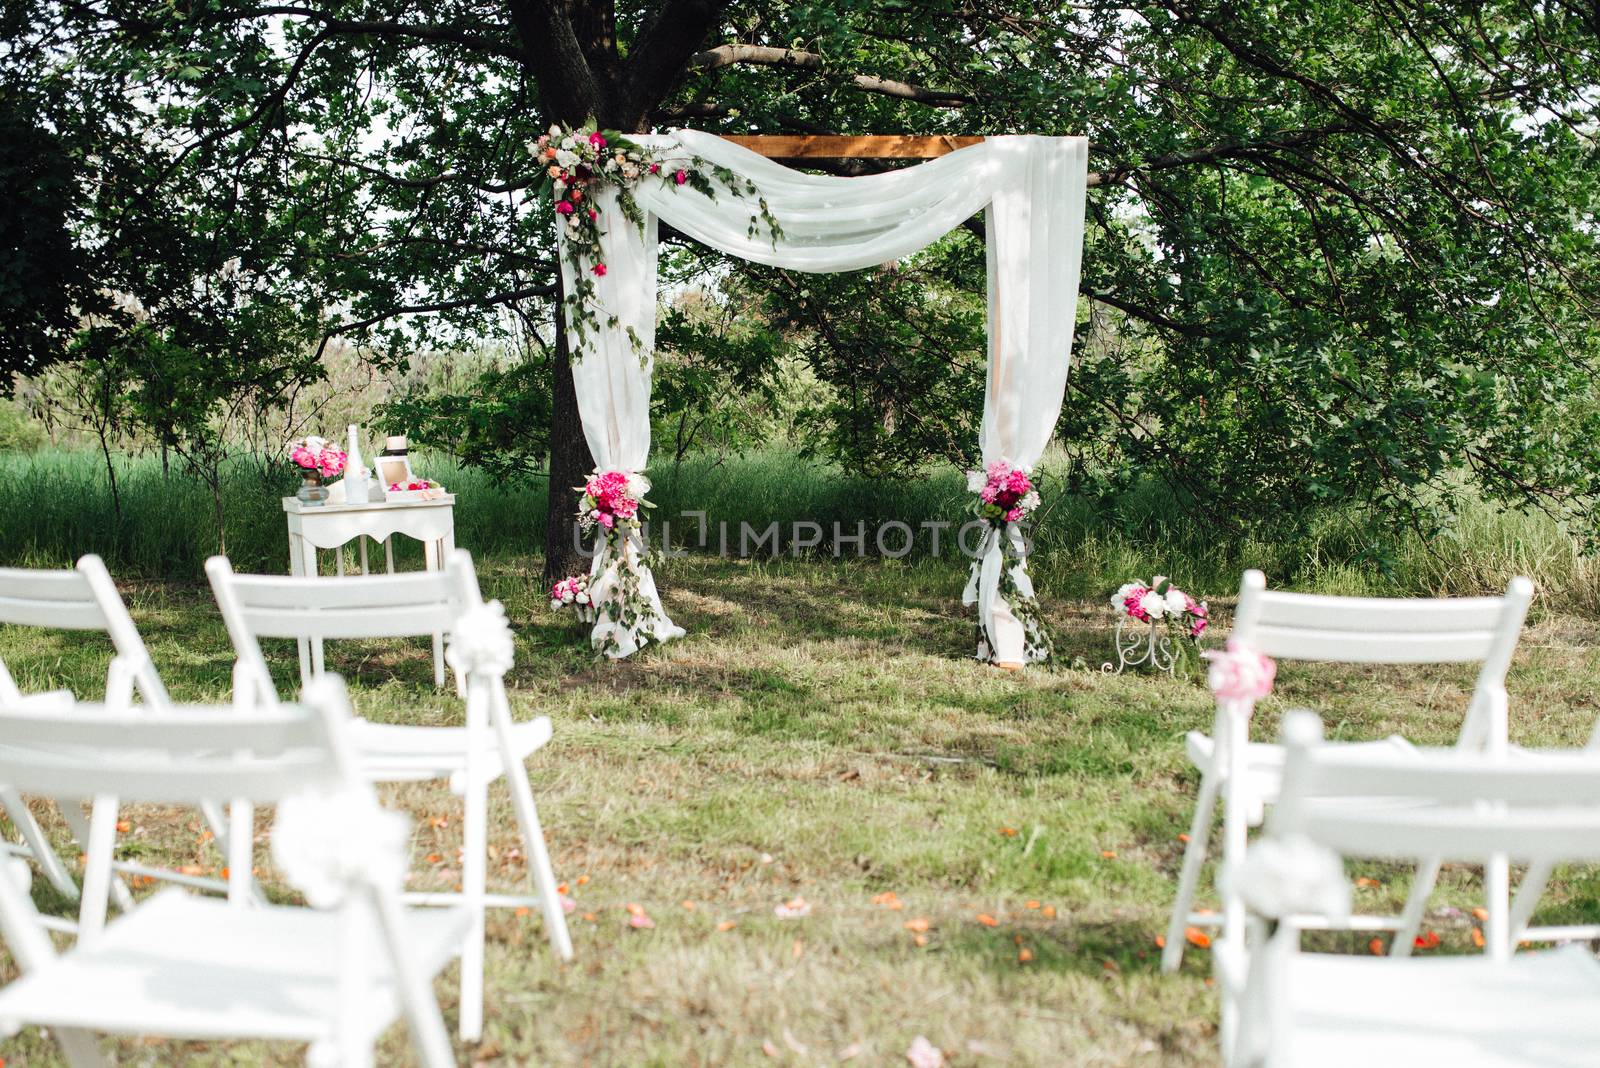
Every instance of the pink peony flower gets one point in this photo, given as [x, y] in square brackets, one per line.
[303, 457]
[1133, 602]
[681, 177]
[1018, 482]
[1014, 515]
[605, 519]
[599, 269]
[655, 168]
[1240, 674]
[596, 140]
[564, 207]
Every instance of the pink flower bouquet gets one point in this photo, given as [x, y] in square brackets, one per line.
[1005, 493]
[612, 500]
[316, 458]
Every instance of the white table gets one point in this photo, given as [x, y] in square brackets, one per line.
[333, 526]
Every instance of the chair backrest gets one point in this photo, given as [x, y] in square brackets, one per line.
[1393, 630]
[82, 598]
[413, 604]
[1408, 804]
[178, 754]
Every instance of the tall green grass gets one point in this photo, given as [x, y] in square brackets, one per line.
[58, 505]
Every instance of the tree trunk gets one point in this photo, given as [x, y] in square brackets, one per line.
[570, 462]
[571, 50]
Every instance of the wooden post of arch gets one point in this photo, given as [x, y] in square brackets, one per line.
[800, 147]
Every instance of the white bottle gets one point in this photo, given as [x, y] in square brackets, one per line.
[356, 475]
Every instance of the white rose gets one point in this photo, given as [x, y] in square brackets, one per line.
[566, 596]
[976, 480]
[555, 131]
[1120, 598]
[583, 598]
[555, 604]
[638, 485]
[1154, 605]
[566, 158]
[1176, 602]
[1029, 502]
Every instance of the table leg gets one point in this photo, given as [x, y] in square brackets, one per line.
[388, 553]
[447, 546]
[362, 541]
[310, 568]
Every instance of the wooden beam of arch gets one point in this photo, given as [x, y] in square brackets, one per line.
[872, 146]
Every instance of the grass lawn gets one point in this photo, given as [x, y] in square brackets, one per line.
[822, 734]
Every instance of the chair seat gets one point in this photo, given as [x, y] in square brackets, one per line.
[1264, 764]
[183, 966]
[393, 753]
[1465, 1012]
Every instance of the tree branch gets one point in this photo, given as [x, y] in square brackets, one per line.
[765, 56]
[1283, 139]
[664, 46]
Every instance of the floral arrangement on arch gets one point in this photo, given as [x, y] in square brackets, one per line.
[1006, 495]
[613, 503]
[1159, 602]
[316, 458]
[572, 592]
[575, 161]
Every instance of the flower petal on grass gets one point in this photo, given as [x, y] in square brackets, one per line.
[924, 1054]
[1197, 938]
[793, 909]
[987, 920]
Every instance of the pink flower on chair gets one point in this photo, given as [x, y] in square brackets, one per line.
[1240, 674]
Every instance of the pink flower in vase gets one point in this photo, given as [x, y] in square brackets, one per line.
[302, 457]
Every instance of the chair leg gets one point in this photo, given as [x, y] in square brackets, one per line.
[474, 874]
[33, 836]
[1528, 893]
[121, 896]
[80, 1048]
[540, 870]
[1194, 857]
[98, 878]
[1497, 889]
[1416, 906]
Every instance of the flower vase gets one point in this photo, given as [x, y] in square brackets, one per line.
[312, 491]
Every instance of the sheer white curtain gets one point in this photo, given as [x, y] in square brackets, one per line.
[1033, 190]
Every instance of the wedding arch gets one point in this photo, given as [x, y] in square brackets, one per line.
[1031, 189]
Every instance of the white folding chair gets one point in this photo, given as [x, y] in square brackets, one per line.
[1298, 1010]
[189, 967]
[470, 757]
[1359, 630]
[84, 598]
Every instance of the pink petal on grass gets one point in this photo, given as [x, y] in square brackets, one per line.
[567, 904]
[924, 1054]
[793, 909]
[642, 922]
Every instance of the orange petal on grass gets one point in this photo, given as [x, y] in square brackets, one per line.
[1367, 883]
[888, 900]
[1197, 938]
[1480, 914]
[687, 904]
[1375, 947]
[562, 888]
[1161, 941]
[726, 925]
[191, 869]
[583, 880]
[1030, 905]
[1477, 937]
[1049, 912]
[1024, 955]
[1009, 832]
[591, 917]
[434, 858]
[920, 939]
[523, 910]
[1427, 940]
[1183, 838]
[987, 920]
[634, 910]
[918, 924]
[123, 826]
[1108, 854]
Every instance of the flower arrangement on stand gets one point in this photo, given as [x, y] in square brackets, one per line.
[573, 592]
[1166, 624]
[1006, 496]
[612, 504]
[575, 161]
[315, 460]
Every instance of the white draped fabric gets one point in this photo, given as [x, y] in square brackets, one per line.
[1032, 192]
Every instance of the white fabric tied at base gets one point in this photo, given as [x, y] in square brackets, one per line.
[1003, 629]
[619, 639]
[1031, 190]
